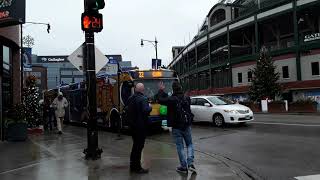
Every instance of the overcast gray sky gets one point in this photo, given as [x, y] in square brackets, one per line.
[125, 23]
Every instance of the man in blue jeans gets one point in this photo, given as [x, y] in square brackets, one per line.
[180, 119]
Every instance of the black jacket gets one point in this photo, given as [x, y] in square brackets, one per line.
[171, 103]
[139, 111]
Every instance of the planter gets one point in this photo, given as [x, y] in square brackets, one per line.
[35, 131]
[276, 107]
[303, 108]
[17, 132]
[255, 107]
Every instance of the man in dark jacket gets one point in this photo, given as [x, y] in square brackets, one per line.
[181, 130]
[139, 110]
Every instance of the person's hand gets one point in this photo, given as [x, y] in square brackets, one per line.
[161, 86]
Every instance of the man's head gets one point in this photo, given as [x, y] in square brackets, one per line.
[177, 88]
[139, 88]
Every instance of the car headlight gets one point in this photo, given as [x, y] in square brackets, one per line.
[231, 111]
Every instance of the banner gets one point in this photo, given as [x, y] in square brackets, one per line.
[156, 63]
[27, 59]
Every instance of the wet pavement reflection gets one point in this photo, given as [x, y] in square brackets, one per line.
[53, 157]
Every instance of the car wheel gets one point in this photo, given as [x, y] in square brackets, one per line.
[218, 120]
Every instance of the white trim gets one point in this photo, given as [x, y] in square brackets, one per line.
[242, 22]
[200, 41]
[192, 46]
[302, 2]
[185, 51]
[275, 10]
[218, 32]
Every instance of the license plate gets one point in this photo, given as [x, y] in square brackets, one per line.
[248, 117]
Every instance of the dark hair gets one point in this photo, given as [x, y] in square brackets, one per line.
[177, 88]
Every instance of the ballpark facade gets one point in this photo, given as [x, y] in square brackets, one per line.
[220, 56]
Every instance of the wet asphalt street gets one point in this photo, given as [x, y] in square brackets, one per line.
[272, 147]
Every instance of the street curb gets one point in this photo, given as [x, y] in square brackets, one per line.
[285, 113]
[240, 170]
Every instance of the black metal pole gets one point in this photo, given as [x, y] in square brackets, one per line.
[93, 151]
[21, 62]
[1, 120]
[156, 46]
[156, 42]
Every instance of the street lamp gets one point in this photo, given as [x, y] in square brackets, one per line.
[21, 48]
[155, 44]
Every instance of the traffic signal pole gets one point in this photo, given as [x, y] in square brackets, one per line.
[93, 151]
[91, 21]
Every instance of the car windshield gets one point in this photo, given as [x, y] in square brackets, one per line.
[151, 86]
[220, 101]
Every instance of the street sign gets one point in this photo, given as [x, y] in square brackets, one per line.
[76, 58]
[156, 63]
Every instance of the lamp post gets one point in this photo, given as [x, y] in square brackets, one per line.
[155, 44]
[21, 48]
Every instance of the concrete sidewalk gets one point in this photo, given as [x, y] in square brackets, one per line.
[54, 157]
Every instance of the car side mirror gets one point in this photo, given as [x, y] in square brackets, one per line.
[207, 104]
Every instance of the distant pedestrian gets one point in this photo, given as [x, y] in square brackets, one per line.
[46, 115]
[180, 119]
[60, 103]
[138, 111]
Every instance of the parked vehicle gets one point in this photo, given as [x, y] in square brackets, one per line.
[219, 110]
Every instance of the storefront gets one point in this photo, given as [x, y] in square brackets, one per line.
[12, 13]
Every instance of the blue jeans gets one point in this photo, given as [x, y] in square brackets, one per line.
[179, 136]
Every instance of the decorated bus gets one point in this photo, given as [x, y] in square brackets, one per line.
[112, 95]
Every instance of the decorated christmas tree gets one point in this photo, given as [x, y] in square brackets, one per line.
[31, 102]
[265, 78]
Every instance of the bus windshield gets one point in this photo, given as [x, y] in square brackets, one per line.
[151, 86]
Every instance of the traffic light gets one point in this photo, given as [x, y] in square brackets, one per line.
[91, 22]
[94, 5]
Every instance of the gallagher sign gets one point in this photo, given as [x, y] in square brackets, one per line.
[12, 12]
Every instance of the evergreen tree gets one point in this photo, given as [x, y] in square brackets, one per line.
[31, 102]
[265, 78]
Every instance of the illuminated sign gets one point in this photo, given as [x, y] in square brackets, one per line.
[91, 22]
[141, 74]
[12, 12]
[157, 74]
[153, 74]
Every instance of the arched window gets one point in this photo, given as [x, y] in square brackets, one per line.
[217, 17]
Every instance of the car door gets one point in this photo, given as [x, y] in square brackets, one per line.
[205, 113]
[195, 109]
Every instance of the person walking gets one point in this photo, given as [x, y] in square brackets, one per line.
[180, 119]
[59, 104]
[138, 111]
[46, 115]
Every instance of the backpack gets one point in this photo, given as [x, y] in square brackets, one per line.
[183, 117]
[126, 112]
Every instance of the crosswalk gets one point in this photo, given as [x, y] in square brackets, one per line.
[311, 177]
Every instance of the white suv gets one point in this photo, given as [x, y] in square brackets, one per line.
[219, 110]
